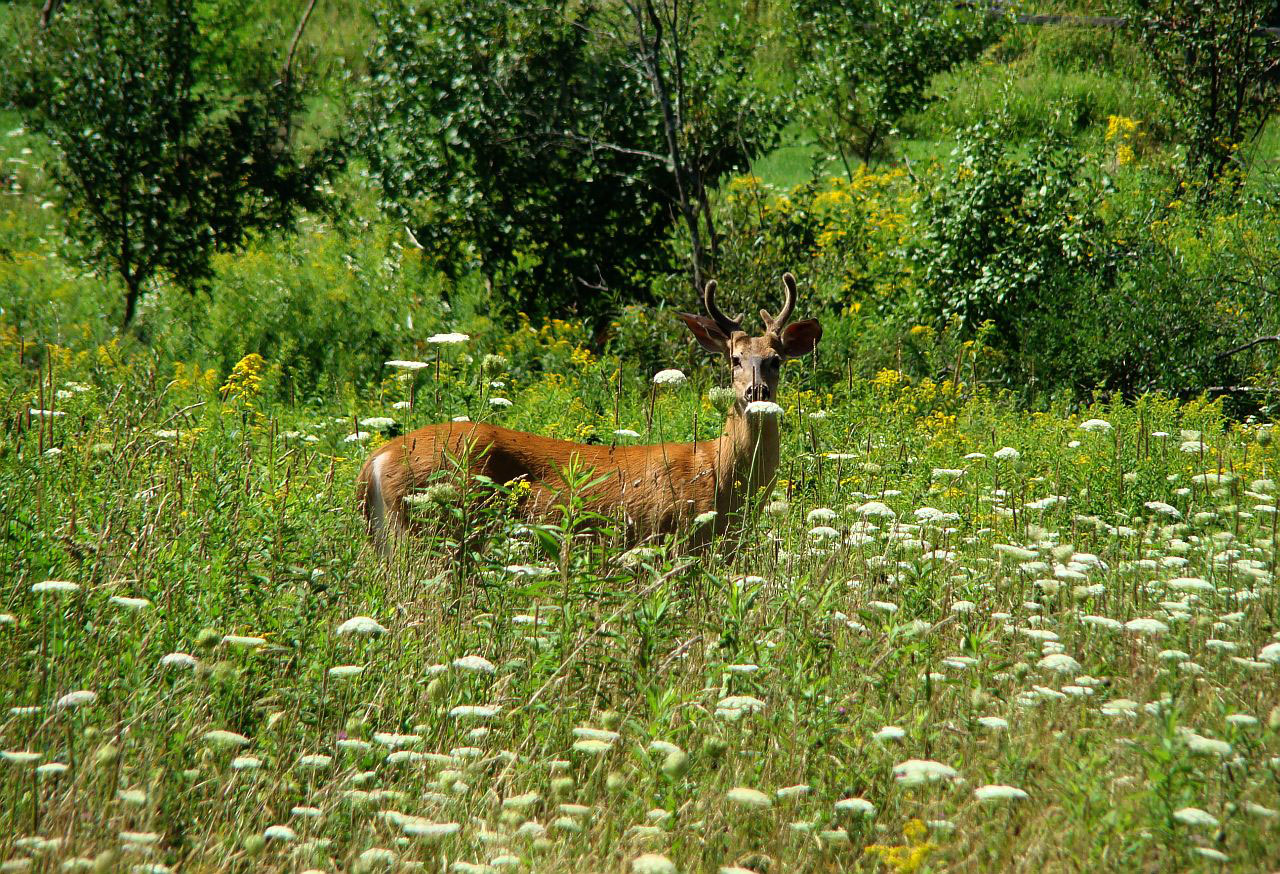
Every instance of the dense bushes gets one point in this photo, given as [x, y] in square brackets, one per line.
[1068, 79]
[1048, 267]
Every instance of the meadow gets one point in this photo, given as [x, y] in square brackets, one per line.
[960, 637]
[997, 615]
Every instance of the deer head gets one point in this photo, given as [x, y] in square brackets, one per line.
[756, 361]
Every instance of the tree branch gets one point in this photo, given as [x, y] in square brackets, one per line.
[287, 70]
[1273, 338]
[597, 144]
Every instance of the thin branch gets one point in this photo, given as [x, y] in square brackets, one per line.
[287, 70]
[612, 147]
[1272, 338]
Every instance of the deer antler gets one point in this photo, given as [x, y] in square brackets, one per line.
[775, 324]
[723, 322]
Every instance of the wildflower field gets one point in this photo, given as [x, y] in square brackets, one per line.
[960, 637]
[1011, 604]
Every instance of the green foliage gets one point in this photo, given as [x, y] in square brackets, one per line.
[324, 311]
[156, 172]
[1009, 235]
[871, 63]
[470, 126]
[1082, 284]
[1068, 79]
[1219, 69]
[530, 142]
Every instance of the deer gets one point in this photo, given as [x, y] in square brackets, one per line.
[659, 489]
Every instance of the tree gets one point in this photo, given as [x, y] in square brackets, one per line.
[871, 62]
[713, 119]
[157, 169]
[1220, 68]
[528, 141]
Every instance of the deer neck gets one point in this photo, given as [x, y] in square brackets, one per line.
[746, 459]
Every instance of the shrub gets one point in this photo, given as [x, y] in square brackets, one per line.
[322, 310]
[1009, 238]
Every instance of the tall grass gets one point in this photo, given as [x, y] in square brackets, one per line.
[917, 591]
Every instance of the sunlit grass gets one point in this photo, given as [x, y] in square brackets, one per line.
[961, 637]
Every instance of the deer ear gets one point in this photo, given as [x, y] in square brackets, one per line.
[800, 338]
[708, 334]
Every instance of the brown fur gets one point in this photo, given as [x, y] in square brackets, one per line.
[657, 489]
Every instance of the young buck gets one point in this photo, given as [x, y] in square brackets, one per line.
[658, 488]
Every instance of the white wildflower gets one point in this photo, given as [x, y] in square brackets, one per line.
[748, 797]
[179, 660]
[1102, 622]
[876, 509]
[1146, 626]
[226, 739]
[475, 664]
[915, 772]
[592, 747]
[76, 699]
[61, 587]
[1060, 663]
[1206, 746]
[20, 757]
[763, 408]
[243, 641]
[652, 863]
[362, 626]
[430, 832]
[856, 806]
[997, 792]
[1195, 816]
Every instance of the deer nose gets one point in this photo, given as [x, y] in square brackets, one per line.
[758, 392]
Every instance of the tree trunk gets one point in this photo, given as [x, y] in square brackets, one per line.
[133, 291]
[650, 36]
[47, 12]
